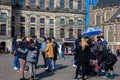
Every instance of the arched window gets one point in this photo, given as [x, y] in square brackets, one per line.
[51, 4]
[98, 19]
[110, 35]
[62, 4]
[42, 3]
[107, 16]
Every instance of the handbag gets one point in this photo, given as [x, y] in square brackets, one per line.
[24, 51]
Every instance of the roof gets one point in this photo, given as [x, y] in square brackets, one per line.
[107, 3]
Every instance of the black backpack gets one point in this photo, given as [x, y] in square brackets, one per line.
[100, 47]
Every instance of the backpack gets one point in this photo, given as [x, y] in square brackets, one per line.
[32, 56]
[100, 47]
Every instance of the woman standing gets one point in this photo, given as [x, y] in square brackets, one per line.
[22, 53]
[82, 57]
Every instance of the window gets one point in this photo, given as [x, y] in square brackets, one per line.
[22, 19]
[62, 35]
[3, 29]
[51, 32]
[13, 18]
[51, 4]
[51, 21]
[3, 16]
[107, 16]
[79, 31]
[32, 31]
[13, 31]
[62, 21]
[22, 31]
[62, 4]
[70, 33]
[71, 22]
[79, 4]
[22, 2]
[98, 19]
[42, 3]
[32, 3]
[79, 22]
[32, 19]
[42, 30]
[110, 35]
[13, 2]
[71, 4]
[42, 20]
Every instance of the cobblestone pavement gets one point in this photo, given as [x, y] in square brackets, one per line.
[64, 70]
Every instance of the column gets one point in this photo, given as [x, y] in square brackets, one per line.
[8, 25]
[57, 3]
[37, 3]
[27, 2]
[67, 27]
[47, 26]
[27, 26]
[57, 28]
[47, 3]
[75, 4]
[75, 27]
[37, 28]
[66, 3]
[83, 5]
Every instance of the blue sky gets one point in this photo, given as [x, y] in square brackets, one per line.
[87, 10]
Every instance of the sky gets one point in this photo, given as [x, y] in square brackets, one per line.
[87, 11]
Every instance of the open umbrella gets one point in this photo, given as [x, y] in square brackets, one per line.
[92, 31]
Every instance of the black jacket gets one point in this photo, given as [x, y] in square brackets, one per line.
[83, 55]
[107, 58]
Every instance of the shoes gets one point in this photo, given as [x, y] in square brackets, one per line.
[46, 68]
[106, 76]
[15, 68]
[74, 66]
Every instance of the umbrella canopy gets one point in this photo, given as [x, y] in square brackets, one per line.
[92, 32]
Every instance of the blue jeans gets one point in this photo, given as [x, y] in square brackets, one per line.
[62, 54]
[16, 62]
[49, 60]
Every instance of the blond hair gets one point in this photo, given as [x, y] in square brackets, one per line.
[83, 43]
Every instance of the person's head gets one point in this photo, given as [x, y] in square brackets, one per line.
[98, 38]
[31, 42]
[44, 39]
[24, 39]
[35, 37]
[53, 39]
[83, 43]
[102, 37]
[86, 38]
[49, 39]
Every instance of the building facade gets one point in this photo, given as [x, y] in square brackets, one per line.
[58, 18]
[106, 15]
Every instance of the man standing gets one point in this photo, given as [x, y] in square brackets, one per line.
[43, 48]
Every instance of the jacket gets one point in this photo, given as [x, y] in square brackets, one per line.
[49, 50]
[83, 55]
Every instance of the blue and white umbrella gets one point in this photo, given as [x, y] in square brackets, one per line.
[91, 32]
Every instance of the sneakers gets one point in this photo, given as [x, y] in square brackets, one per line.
[74, 66]
[15, 68]
[75, 78]
[106, 76]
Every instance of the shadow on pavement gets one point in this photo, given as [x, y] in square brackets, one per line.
[45, 74]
